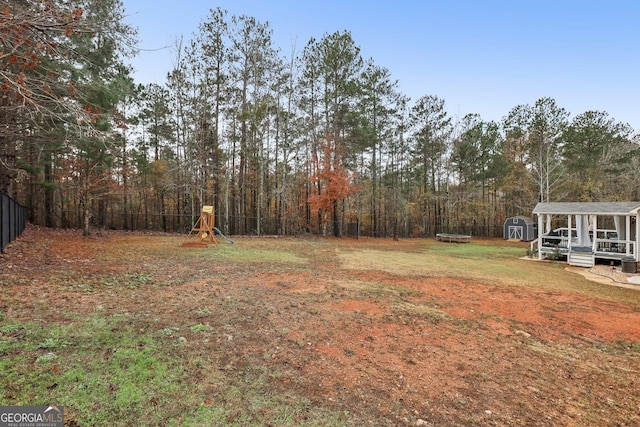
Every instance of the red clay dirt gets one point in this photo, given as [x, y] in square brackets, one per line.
[485, 355]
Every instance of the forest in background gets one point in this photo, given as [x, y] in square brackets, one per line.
[309, 141]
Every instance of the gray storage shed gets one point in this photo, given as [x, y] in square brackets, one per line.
[520, 228]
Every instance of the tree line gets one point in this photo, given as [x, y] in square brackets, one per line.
[317, 140]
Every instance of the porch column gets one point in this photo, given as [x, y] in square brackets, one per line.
[594, 228]
[636, 249]
[627, 221]
[540, 234]
[569, 218]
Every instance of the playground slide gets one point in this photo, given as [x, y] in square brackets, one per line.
[218, 232]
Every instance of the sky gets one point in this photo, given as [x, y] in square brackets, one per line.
[482, 57]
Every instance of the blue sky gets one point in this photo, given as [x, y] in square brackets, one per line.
[482, 57]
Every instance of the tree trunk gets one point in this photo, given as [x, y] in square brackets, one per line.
[336, 220]
[49, 217]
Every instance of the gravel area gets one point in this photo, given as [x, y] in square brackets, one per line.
[615, 273]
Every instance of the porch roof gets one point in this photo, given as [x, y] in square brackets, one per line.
[588, 208]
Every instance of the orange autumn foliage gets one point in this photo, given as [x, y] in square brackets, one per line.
[332, 178]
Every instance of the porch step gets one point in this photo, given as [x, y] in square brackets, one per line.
[581, 259]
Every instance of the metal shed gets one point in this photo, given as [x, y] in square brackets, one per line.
[520, 228]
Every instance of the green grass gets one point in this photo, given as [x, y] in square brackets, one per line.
[102, 366]
[485, 262]
[476, 251]
[247, 251]
[200, 328]
[106, 370]
[421, 312]
[269, 255]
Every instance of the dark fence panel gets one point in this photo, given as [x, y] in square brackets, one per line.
[13, 220]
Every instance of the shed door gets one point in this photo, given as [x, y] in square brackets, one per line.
[515, 232]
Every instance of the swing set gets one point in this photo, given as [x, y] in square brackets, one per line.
[203, 232]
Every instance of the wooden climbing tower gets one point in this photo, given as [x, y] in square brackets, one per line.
[202, 233]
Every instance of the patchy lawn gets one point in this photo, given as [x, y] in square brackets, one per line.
[133, 329]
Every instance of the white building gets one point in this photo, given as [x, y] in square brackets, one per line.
[585, 232]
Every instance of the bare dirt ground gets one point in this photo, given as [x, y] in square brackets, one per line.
[420, 350]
